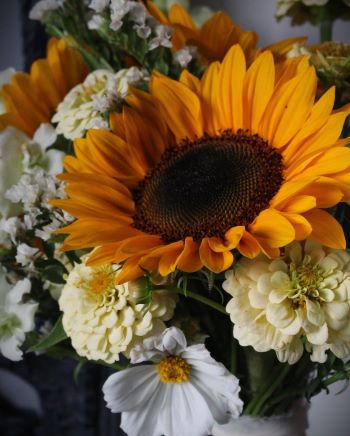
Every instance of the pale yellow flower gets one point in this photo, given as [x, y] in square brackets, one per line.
[303, 295]
[103, 319]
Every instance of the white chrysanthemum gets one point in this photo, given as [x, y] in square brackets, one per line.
[304, 294]
[104, 319]
[16, 317]
[183, 393]
[85, 105]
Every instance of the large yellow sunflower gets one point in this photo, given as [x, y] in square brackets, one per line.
[197, 168]
[31, 99]
[217, 35]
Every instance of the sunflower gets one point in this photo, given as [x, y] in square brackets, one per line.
[198, 168]
[31, 99]
[216, 36]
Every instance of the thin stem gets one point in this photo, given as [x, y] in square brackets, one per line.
[233, 356]
[338, 377]
[217, 306]
[326, 30]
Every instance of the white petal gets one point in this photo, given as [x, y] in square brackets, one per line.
[185, 412]
[293, 328]
[25, 313]
[257, 299]
[314, 312]
[21, 287]
[292, 352]
[294, 252]
[319, 353]
[174, 341]
[337, 310]
[278, 295]
[45, 135]
[9, 347]
[131, 388]
[280, 315]
[318, 336]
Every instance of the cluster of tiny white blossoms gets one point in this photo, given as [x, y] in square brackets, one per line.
[118, 11]
[86, 105]
[104, 319]
[300, 298]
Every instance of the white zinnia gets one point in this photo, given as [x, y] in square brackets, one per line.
[16, 317]
[104, 319]
[184, 392]
[84, 107]
[303, 294]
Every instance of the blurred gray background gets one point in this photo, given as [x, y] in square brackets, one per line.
[329, 414]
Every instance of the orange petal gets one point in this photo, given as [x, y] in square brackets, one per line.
[189, 260]
[248, 246]
[215, 262]
[232, 238]
[325, 229]
[272, 228]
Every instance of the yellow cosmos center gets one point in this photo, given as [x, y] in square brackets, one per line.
[173, 369]
[204, 187]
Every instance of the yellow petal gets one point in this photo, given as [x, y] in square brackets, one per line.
[325, 229]
[215, 262]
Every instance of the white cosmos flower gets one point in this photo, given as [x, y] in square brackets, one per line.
[184, 392]
[305, 294]
[16, 317]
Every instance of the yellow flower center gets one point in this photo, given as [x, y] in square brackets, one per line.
[173, 369]
[204, 187]
[306, 280]
[101, 282]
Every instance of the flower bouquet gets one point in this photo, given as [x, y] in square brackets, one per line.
[168, 204]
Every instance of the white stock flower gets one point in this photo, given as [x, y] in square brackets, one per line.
[184, 55]
[99, 5]
[50, 160]
[5, 78]
[26, 255]
[10, 226]
[303, 294]
[11, 167]
[163, 38]
[184, 392]
[104, 319]
[95, 22]
[39, 11]
[16, 317]
[84, 106]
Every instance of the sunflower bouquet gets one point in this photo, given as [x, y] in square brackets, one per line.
[172, 203]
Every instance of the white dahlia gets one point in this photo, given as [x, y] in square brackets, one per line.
[104, 319]
[184, 392]
[301, 297]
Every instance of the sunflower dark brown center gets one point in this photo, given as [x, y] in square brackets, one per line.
[204, 187]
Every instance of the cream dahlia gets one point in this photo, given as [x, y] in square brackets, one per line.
[301, 297]
[104, 319]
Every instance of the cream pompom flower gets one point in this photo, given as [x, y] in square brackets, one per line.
[103, 319]
[303, 296]
[184, 392]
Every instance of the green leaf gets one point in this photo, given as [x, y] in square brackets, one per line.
[56, 335]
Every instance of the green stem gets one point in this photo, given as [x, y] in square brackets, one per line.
[217, 306]
[233, 356]
[338, 377]
[270, 390]
[326, 30]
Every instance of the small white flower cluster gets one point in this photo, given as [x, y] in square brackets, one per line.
[144, 25]
[39, 11]
[84, 107]
[185, 55]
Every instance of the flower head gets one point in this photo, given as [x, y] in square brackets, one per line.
[198, 168]
[41, 8]
[16, 317]
[304, 293]
[31, 99]
[104, 319]
[186, 387]
[84, 106]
